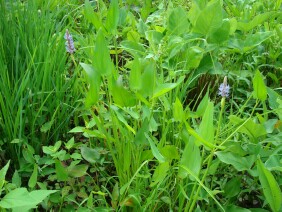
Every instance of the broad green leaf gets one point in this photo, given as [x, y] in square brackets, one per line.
[235, 208]
[238, 162]
[206, 128]
[191, 159]
[90, 155]
[135, 75]
[122, 96]
[201, 139]
[148, 80]
[194, 56]
[270, 187]
[260, 91]
[91, 16]
[209, 19]
[112, 16]
[203, 105]
[33, 178]
[122, 119]
[155, 150]
[94, 80]
[133, 47]
[77, 130]
[222, 34]
[252, 129]
[170, 152]
[20, 197]
[178, 113]
[274, 162]
[160, 173]
[163, 88]
[178, 22]
[78, 170]
[233, 187]
[61, 172]
[3, 173]
[52, 149]
[255, 21]
[243, 45]
[102, 61]
[154, 37]
[70, 143]
[46, 127]
[16, 179]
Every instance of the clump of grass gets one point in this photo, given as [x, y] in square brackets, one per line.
[38, 97]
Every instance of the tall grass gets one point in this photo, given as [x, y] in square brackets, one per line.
[38, 95]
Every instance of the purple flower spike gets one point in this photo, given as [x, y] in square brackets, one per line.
[69, 43]
[224, 88]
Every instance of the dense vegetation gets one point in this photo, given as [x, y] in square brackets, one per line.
[131, 105]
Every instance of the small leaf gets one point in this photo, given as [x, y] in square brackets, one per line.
[33, 178]
[163, 88]
[78, 170]
[102, 61]
[155, 150]
[16, 179]
[3, 173]
[240, 163]
[91, 155]
[61, 171]
[46, 127]
[160, 173]
[112, 16]
[260, 91]
[191, 158]
[270, 187]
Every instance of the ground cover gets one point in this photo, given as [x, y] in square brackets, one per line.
[140, 105]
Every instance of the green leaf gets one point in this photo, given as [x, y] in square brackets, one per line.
[102, 61]
[222, 34]
[3, 173]
[94, 80]
[135, 75]
[255, 21]
[240, 163]
[148, 80]
[170, 152]
[121, 95]
[191, 158]
[163, 88]
[61, 172]
[270, 187]
[194, 56]
[49, 150]
[206, 128]
[91, 155]
[112, 16]
[250, 42]
[160, 173]
[33, 178]
[20, 197]
[178, 22]
[46, 127]
[155, 150]
[78, 170]
[233, 187]
[16, 179]
[209, 19]
[252, 129]
[178, 113]
[91, 16]
[133, 47]
[260, 91]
